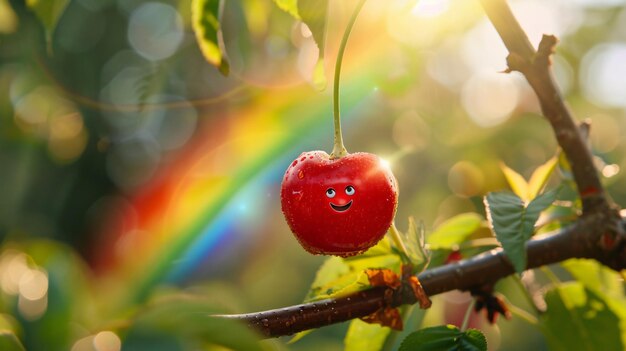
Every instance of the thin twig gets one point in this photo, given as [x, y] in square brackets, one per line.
[535, 65]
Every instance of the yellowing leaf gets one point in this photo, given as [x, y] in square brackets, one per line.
[517, 183]
[540, 177]
[529, 190]
[455, 230]
[206, 26]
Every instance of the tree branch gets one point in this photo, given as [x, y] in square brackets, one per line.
[486, 268]
[536, 68]
[598, 233]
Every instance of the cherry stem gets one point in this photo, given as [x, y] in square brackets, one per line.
[468, 313]
[339, 150]
[523, 315]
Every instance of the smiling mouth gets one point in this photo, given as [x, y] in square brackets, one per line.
[341, 208]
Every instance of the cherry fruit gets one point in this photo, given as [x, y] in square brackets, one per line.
[340, 206]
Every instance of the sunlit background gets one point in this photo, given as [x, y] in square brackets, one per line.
[129, 165]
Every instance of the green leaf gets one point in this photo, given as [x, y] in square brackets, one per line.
[455, 230]
[188, 318]
[340, 276]
[586, 317]
[10, 342]
[363, 336]
[416, 246]
[517, 183]
[595, 276]
[331, 270]
[313, 13]
[540, 177]
[382, 248]
[389, 261]
[344, 285]
[542, 202]
[444, 337]
[289, 6]
[206, 26]
[48, 12]
[513, 222]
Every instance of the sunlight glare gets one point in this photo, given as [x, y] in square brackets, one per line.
[489, 97]
[430, 8]
[603, 74]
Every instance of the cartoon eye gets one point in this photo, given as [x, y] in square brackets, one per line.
[349, 190]
[330, 193]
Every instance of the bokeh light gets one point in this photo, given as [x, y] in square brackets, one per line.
[18, 276]
[490, 97]
[155, 30]
[14, 265]
[107, 341]
[465, 179]
[603, 75]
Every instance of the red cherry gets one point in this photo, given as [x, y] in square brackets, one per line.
[338, 207]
